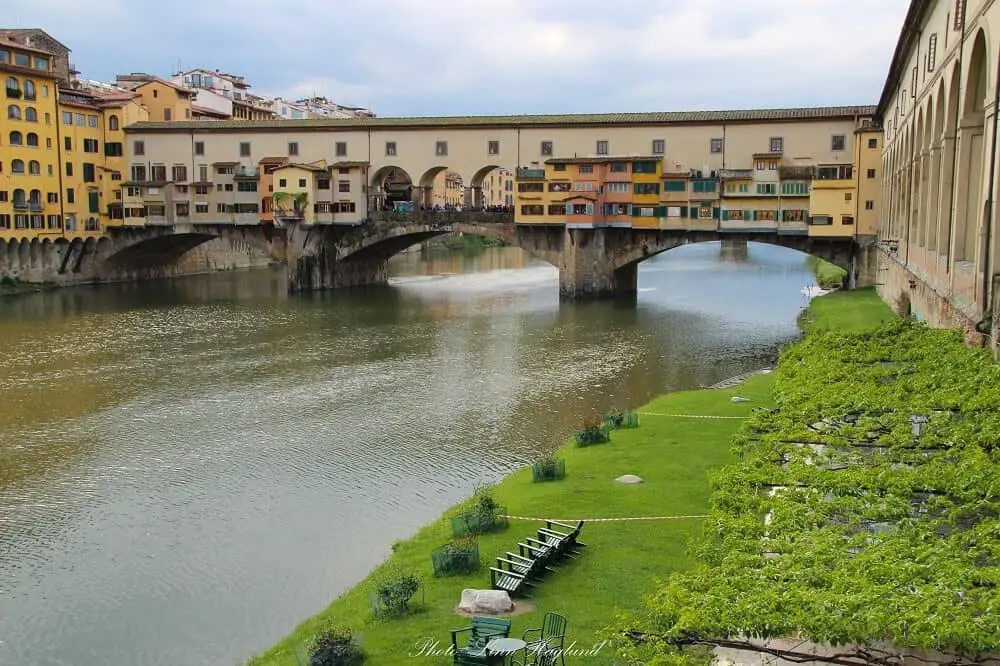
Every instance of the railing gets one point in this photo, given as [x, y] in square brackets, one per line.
[444, 217]
[531, 173]
[246, 172]
[20, 205]
[735, 173]
[36, 206]
[796, 172]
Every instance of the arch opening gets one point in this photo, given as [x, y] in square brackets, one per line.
[390, 186]
[157, 251]
[492, 189]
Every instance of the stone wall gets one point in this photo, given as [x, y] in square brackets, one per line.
[89, 261]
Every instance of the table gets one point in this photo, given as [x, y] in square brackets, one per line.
[503, 647]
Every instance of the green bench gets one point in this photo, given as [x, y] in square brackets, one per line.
[482, 631]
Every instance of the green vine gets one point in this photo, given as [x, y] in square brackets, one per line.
[864, 509]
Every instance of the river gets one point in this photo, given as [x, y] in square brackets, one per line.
[188, 468]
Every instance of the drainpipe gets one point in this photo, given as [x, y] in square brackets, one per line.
[954, 156]
[59, 164]
[988, 236]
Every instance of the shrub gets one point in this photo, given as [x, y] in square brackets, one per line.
[393, 591]
[616, 419]
[335, 647]
[456, 557]
[594, 432]
[548, 468]
[482, 516]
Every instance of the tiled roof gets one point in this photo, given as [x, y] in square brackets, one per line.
[603, 159]
[583, 119]
[347, 164]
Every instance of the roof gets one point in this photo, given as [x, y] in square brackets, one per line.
[347, 164]
[771, 154]
[604, 159]
[27, 32]
[208, 111]
[307, 167]
[583, 119]
[138, 83]
[907, 37]
[278, 159]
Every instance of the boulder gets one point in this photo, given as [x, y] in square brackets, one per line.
[485, 602]
[629, 478]
[737, 398]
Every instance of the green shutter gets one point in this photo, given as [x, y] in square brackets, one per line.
[715, 212]
[747, 215]
[94, 201]
[684, 211]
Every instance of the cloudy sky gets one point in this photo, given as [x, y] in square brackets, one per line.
[453, 57]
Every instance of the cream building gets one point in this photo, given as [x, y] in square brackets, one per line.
[938, 223]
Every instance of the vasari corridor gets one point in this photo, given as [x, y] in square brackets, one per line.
[519, 334]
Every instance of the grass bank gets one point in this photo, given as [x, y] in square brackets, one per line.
[828, 276]
[674, 456]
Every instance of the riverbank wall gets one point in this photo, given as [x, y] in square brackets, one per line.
[633, 533]
[27, 265]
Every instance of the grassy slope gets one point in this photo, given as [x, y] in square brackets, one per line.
[618, 568]
[827, 275]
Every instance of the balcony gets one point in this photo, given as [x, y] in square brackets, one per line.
[36, 206]
[20, 205]
[246, 173]
[531, 174]
[734, 174]
[796, 172]
[14, 93]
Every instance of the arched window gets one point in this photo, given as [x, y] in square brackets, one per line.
[35, 197]
[29, 89]
[12, 86]
[34, 168]
[32, 139]
[113, 123]
[19, 198]
[14, 112]
[17, 166]
[31, 115]
[15, 138]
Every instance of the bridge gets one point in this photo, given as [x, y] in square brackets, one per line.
[592, 263]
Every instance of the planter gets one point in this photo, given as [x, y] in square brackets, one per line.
[596, 435]
[456, 558]
[478, 522]
[548, 471]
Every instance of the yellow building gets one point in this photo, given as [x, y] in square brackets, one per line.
[165, 101]
[300, 190]
[868, 145]
[29, 146]
[447, 189]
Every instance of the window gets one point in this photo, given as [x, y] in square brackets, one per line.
[390, 148]
[293, 147]
[67, 118]
[871, 173]
[34, 168]
[244, 149]
[777, 144]
[15, 138]
[716, 145]
[847, 220]
[54, 222]
[848, 196]
[282, 182]
[340, 148]
[179, 173]
[183, 209]
[14, 112]
[586, 168]
[4, 219]
[69, 168]
[70, 195]
[138, 173]
[21, 60]
[201, 208]
[547, 148]
[13, 88]
[532, 187]
[959, 14]
[94, 202]
[767, 188]
[344, 186]
[88, 173]
[201, 189]
[91, 120]
[246, 186]
[674, 186]
[533, 209]
[138, 147]
[794, 215]
[322, 183]
[493, 147]
[647, 188]
[441, 148]
[302, 182]
[79, 119]
[869, 205]
[842, 172]
[4, 56]
[557, 209]
[113, 123]
[732, 214]
[53, 197]
[602, 147]
[931, 52]
[41, 64]
[29, 90]
[199, 147]
[795, 188]
[17, 166]
[659, 146]
[90, 146]
[837, 142]
[48, 118]
[873, 143]
[619, 167]
[616, 188]
[703, 186]
[113, 149]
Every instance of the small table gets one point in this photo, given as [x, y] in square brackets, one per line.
[503, 647]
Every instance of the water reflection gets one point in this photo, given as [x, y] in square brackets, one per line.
[180, 461]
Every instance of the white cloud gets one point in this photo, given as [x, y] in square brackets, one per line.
[452, 57]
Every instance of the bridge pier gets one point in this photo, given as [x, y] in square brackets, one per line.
[587, 264]
[863, 264]
[314, 264]
[734, 249]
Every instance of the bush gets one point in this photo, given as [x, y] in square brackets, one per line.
[456, 557]
[482, 516]
[335, 647]
[548, 468]
[393, 591]
[617, 419]
[594, 432]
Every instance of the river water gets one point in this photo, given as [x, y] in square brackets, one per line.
[188, 468]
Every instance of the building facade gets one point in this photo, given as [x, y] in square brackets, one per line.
[938, 226]
[165, 101]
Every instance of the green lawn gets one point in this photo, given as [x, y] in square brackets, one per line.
[846, 310]
[618, 567]
[828, 276]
